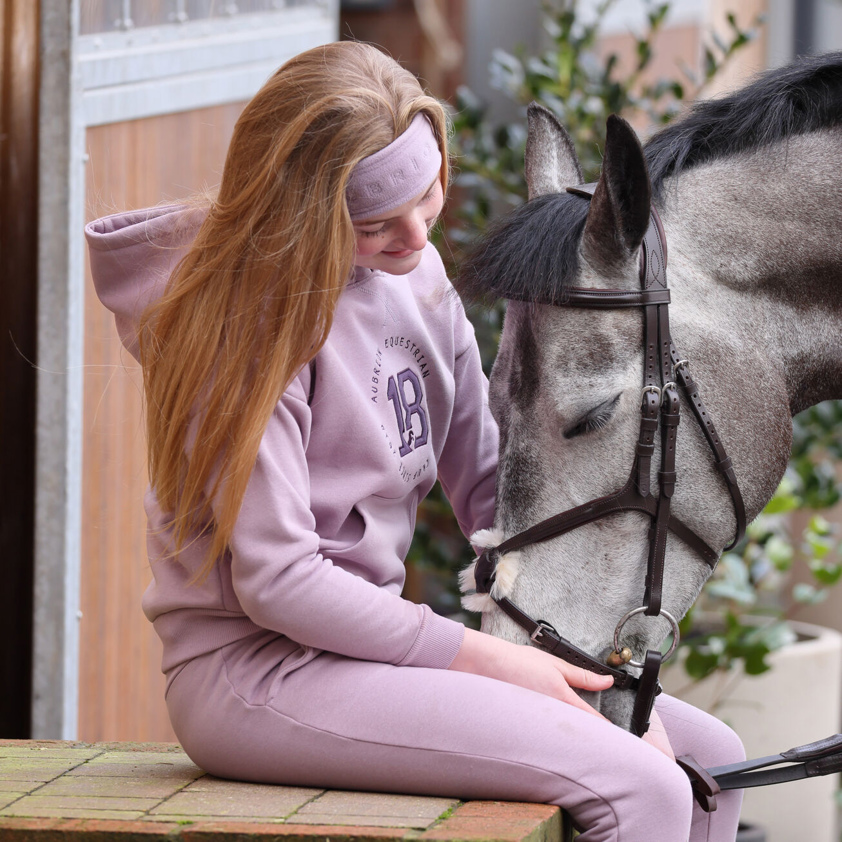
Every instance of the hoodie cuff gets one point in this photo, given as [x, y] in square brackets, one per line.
[437, 642]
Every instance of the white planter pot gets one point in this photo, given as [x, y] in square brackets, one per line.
[797, 701]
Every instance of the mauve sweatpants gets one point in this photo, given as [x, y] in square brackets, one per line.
[335, 722]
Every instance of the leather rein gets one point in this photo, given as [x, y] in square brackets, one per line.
[663, 373]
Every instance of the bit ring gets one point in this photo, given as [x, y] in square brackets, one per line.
[673, 628]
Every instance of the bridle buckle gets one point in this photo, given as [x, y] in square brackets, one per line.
[659, 391]
[543, 627]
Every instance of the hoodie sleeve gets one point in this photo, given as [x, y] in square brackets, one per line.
[284, 583]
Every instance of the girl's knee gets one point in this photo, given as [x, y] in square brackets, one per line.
[730, 745]
[667, 786]
[655, 803]
[668, 800]
[700, 734]
[719, 745]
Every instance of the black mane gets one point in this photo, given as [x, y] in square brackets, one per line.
[529, 254]
[802, 97]
[532, 253]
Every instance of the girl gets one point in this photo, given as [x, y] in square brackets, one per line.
[308, 374]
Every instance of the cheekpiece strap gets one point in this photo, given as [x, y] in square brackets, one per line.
[649, 688]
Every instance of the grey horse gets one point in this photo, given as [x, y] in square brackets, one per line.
[748, 188]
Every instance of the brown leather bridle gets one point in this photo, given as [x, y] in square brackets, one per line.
[663, 372]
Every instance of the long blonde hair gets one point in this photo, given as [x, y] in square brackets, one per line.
[253, 300]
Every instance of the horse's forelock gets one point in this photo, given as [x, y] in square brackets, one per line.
[530, 255]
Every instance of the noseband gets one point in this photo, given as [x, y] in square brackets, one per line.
[663, 373]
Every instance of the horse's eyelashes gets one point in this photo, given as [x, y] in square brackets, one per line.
[594, 420]
[590, 424]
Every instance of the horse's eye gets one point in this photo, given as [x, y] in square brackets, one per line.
[595, 420]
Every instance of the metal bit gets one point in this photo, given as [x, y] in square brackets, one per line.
[619, 657]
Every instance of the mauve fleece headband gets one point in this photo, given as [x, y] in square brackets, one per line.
[396, 173]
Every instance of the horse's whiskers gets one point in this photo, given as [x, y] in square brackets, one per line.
[505, 573]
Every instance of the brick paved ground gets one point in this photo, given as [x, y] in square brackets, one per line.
[126, 792]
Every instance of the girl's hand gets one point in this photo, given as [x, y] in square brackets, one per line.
[526, 666]
[657, 737]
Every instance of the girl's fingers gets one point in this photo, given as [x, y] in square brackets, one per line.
[527, 667]
[572, 676]
[584, 679]
[569, 697]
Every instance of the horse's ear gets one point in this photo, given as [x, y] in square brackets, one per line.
[551, 162]
[619, 213]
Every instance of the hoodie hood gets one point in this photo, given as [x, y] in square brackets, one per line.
[132, 256]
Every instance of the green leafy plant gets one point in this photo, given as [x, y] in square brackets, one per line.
[753, 587]
[582, 89]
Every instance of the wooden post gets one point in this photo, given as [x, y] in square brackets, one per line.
[19, 43]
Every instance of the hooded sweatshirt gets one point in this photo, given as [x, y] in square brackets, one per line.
[394, 399]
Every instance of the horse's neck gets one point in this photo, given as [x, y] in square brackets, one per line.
[759, 237]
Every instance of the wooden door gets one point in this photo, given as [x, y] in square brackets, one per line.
[130, 165]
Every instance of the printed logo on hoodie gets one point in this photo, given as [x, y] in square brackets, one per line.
[397, 380]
